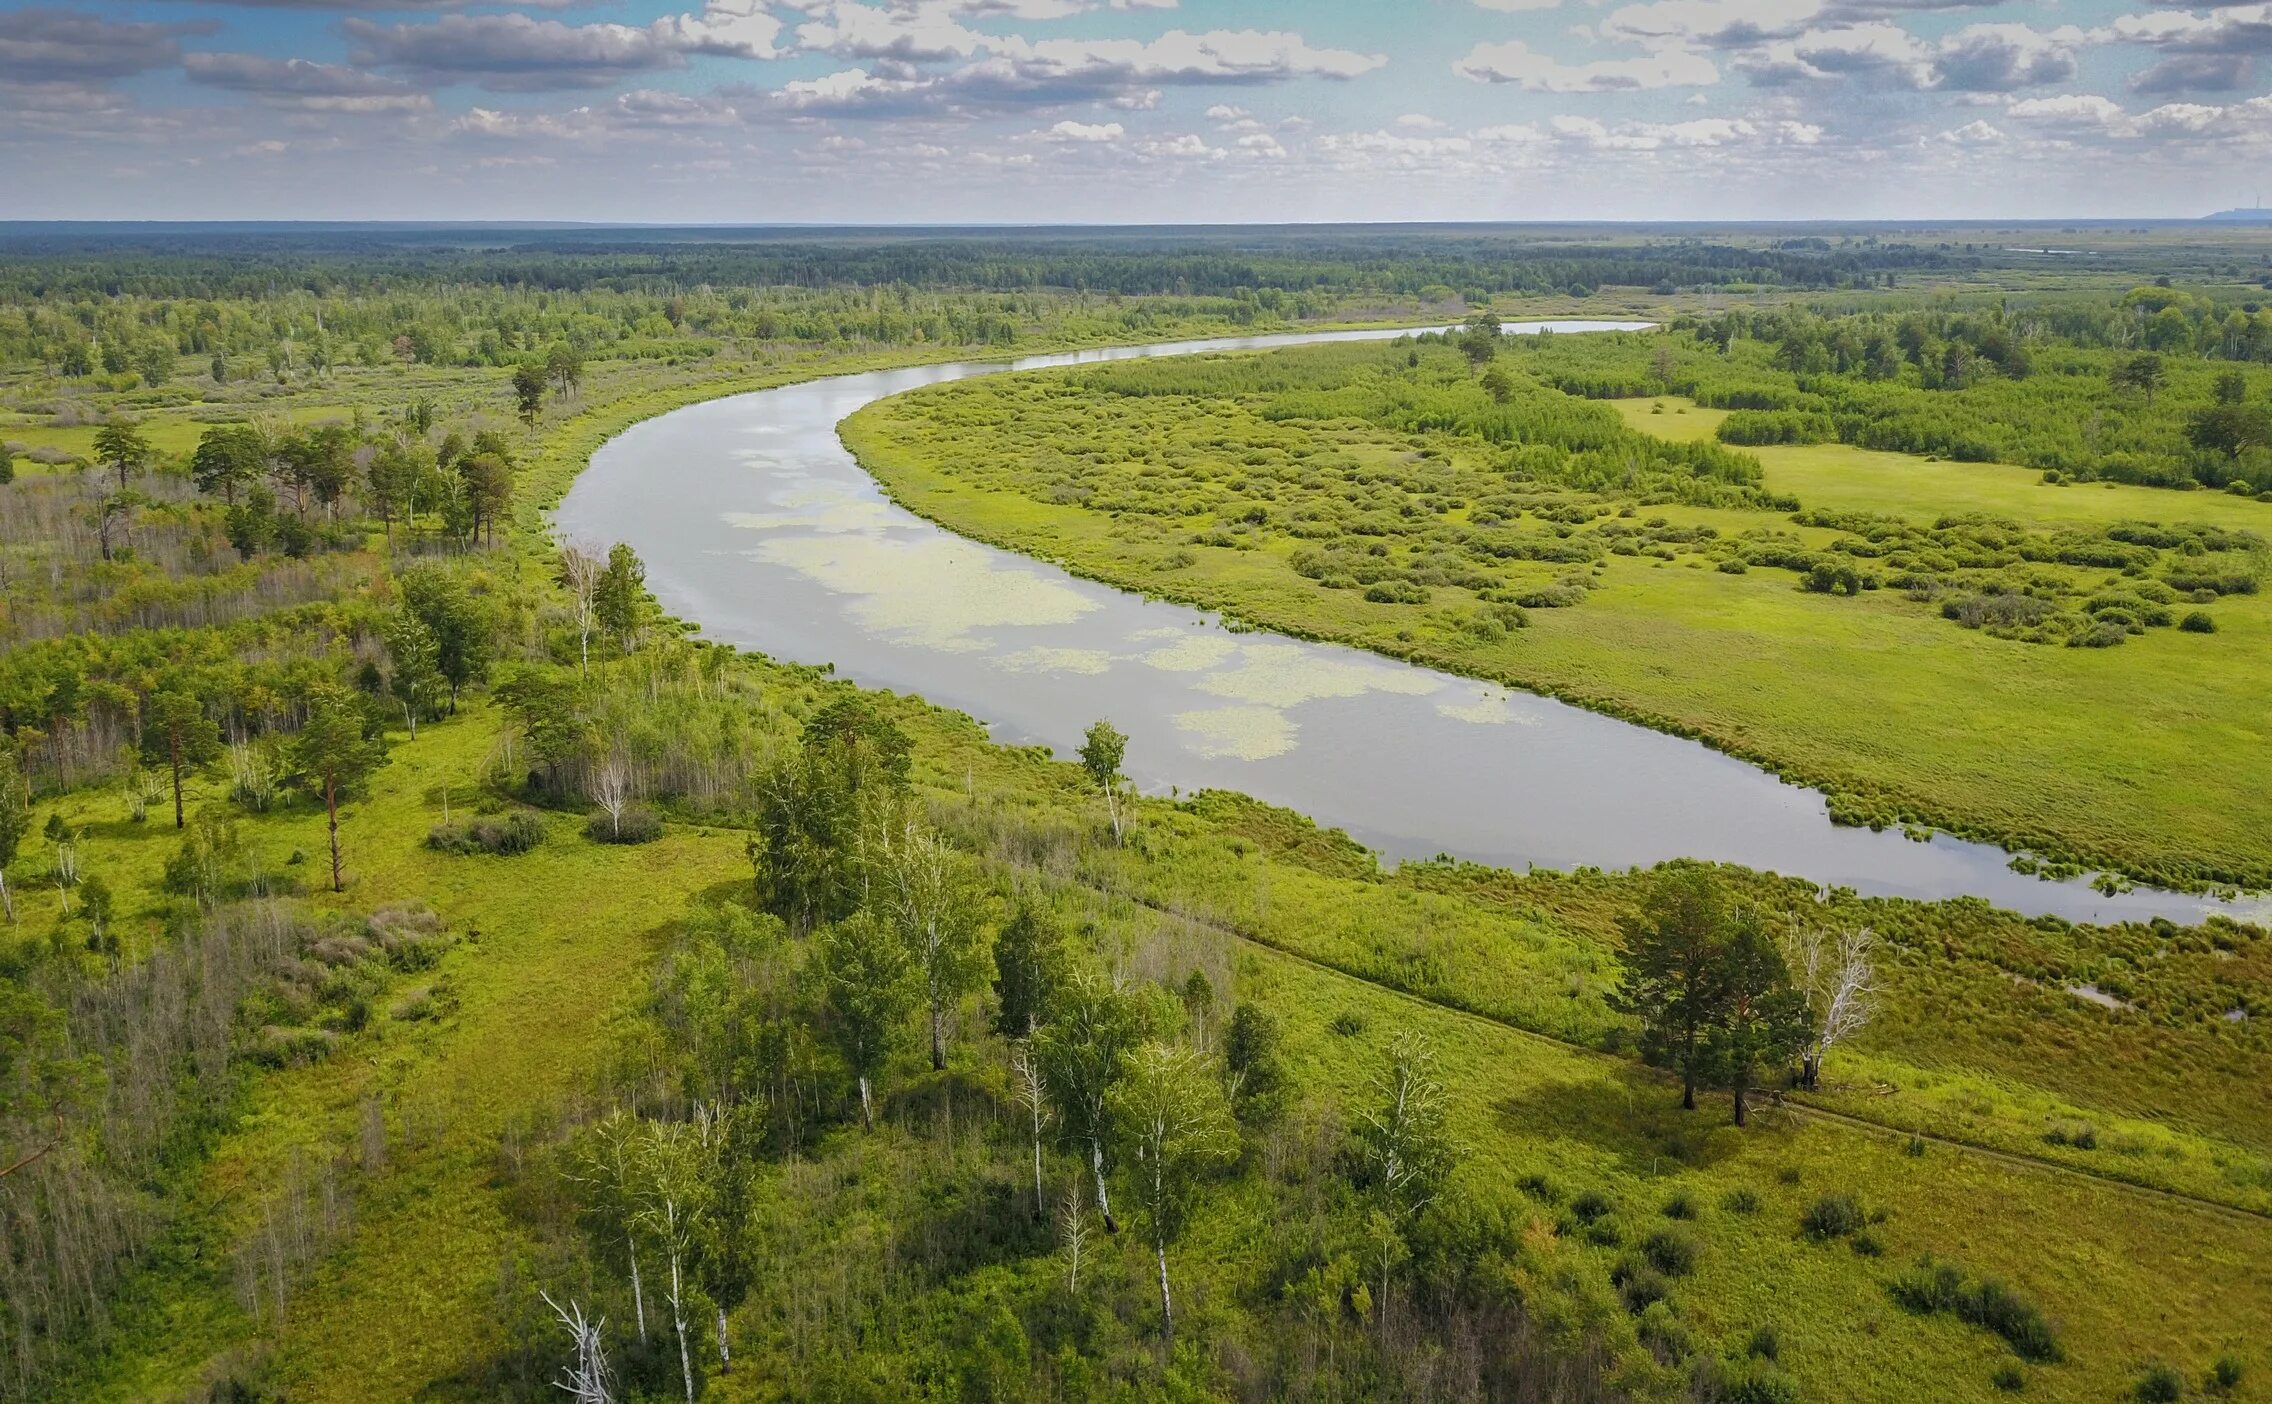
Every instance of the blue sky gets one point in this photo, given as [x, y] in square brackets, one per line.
[907, 111]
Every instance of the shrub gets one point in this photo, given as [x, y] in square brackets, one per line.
[504, 835]
[1670, 1252]
[1832, 1216]
[1757, 1382]
[1931, 1287]
[1765, 1343]
[1590, 1205]
[1740, 1201]
[2198, 621]
[1540, 1188]
[1680, 1206]
[2224, 1376]
[1639, 1284]
[639, 824]
[2159, 1385]
[1348, 1023]
[2009, 1377]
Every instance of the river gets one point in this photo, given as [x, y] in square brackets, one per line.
[757, 525]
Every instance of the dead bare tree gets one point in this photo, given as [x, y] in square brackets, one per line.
[611, 788]
[1835, 968]
[1033, 1095]
[580, 571]
[590, 1380]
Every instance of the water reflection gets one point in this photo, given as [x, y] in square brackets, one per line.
[758, 525]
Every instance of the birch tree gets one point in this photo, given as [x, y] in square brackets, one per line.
[15, 822]
[611, 788]
[1178, 1127]
[871, 991]
[1033, 1098]
[1103, 750]
[1404, 1146]
[673, 1195]
[607, 1165]
[1836, 969]
[580, 571]
[1084, 1051]
[416, 680]
[931, 900]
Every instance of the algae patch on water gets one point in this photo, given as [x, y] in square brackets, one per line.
[1286, 675]
[935, 591]
[1238, 733]
[1189, 653]
[1487, 709]
[1086, 661]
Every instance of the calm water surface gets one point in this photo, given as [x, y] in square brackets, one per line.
[757, 524]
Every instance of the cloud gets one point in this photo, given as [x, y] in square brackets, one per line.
[1514, 62]
[1975, 133]
[515, 53]
[1084, 133]
[2197, 73]
[1015, 72]
[1712, 24]
[302, 85]
[1517, 6]
[2077, 117]
[47, 46]
[1980, 58]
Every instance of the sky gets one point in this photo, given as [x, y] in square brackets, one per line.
[1131, 111]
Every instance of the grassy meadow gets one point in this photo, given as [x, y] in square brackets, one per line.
[2039, 1170]
[1899, 714]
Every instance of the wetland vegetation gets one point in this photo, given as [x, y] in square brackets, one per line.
[526, 987]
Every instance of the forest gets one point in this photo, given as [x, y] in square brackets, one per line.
[429, 970]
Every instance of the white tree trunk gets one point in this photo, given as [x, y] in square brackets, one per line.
[725, 1356]
[1167, 1303]
[678, 1320]
[1104, 1199]
[638, 1297]
[867, 1110]
[8, 901]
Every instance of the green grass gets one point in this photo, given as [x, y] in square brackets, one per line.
[558, 943]
[2146, 758]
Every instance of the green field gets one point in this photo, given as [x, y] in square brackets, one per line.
[1900, 715]
[371, 1159]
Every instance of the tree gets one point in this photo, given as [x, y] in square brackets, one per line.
[619, 594]
[1178, 1128]
[334, 753]
[674, 1197]
[564, 367]
[1762, 1019]
[1029, 965]
[15, 821]
[1253, 1072]
[7, 465]
[416, 677]
[463, 645]
[1834, 968]
[114, 514]
[815, 809]
[2143, 373]
[1032, 1095]
[1499, 385]
[1479, 339]
[2229, 429]
[177, 734]
[1403, 1143]
[120, 447]
[391, 479]
[580, 571]
[1672, 949]
[228, 457]
[1663, 366]
[606, 1162]
[1084, 1051]
[489, 490]
[528, 390]
[2231, 388]
[871, 991]
[1102, 751]
[590, 1380]
[927, 893]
